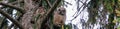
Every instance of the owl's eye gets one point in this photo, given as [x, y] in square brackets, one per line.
[59, 10]
[62, 12]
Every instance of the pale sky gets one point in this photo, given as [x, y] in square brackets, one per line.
[70, 11]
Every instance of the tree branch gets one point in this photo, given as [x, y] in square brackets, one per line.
[48, 3]
[3, 22]
[51, 10]
[18, 1]
[11, 19]
[18, 19]
[11, 6]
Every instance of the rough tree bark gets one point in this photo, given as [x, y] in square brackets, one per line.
[27, 17]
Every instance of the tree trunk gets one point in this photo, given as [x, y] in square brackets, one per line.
[27, 17]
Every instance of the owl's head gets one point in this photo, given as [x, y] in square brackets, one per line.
[61, 11]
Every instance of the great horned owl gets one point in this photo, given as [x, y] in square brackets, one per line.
[59, 16]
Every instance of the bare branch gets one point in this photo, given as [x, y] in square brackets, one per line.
[18, 19]
[11, 19]
[2, 23]
[51, 10]
[48, 3]
[19, 1]
[11, 6]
